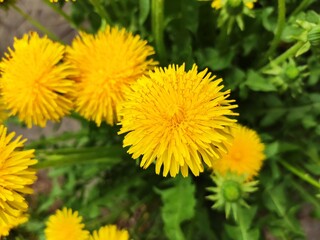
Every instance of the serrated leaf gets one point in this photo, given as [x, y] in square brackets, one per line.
[178, 206]
[258, 83]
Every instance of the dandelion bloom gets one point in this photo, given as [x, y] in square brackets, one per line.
[35, 83]
[176, 119]
[65, 225]
[3, 111]
[110, 232]
[217, 4]
[13, 222]
[15, 175]
[55, 1]
[107, 63]
[244, 154]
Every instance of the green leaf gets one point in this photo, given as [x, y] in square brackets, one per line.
[305, 47]
[215, 60]
[144, 7]
[243, 231]
[178, 206]
[258, 83]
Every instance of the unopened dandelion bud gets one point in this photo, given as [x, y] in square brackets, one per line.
[234, 7]
[292, 72]
[314, 36]
[231, 191]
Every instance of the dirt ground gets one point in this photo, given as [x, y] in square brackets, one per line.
[13, 25]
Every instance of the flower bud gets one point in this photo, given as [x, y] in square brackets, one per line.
[234, 7]
[314, 36]
[292, 72]
[231, 191]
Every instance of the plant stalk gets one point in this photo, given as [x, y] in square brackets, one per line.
[280, 26]
[304, 176]
[35, 23]
[289, 53]
[157, 11]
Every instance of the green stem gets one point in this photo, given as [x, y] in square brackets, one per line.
[63, 14]
[304, 176]
[306, 195]
[110, 155]
[63, 161]
[280, 26]
[289, 53]
[157, 11]
[303, 5]
[101, 11]
[53, 140]
[35, 23]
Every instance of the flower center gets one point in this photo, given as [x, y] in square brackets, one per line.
[176, 115]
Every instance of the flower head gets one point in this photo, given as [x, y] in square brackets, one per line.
[65, 224]
[15, 176]
[35, 83]
[55, 1]
[230, 192]
[176, 119]
[13, 222]
[110, 232]
[244, 154]
[217, 4]
[107, 63]
[3, 111]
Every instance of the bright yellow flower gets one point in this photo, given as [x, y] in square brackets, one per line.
[108, 63]
[15, 175]
[176, 119]
[35, 83]
[65, 225]
[13, 222]
[55, 1]
[217, 4]
[110, 232]
[3, 111]
[244, 155]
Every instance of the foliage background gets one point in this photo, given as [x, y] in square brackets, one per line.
[109, 187]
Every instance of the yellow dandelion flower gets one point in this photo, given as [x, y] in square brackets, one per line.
[249, 3]
[108, 62]
[65, 225]
[217, 4]
[13, 222]
[176, 119]
[55, 1]
[15, 175]
[35, 83]
[245, 153]
[3, 111]
[110, 232]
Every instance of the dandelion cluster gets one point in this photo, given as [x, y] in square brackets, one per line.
[177, 119]
[67, 224]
